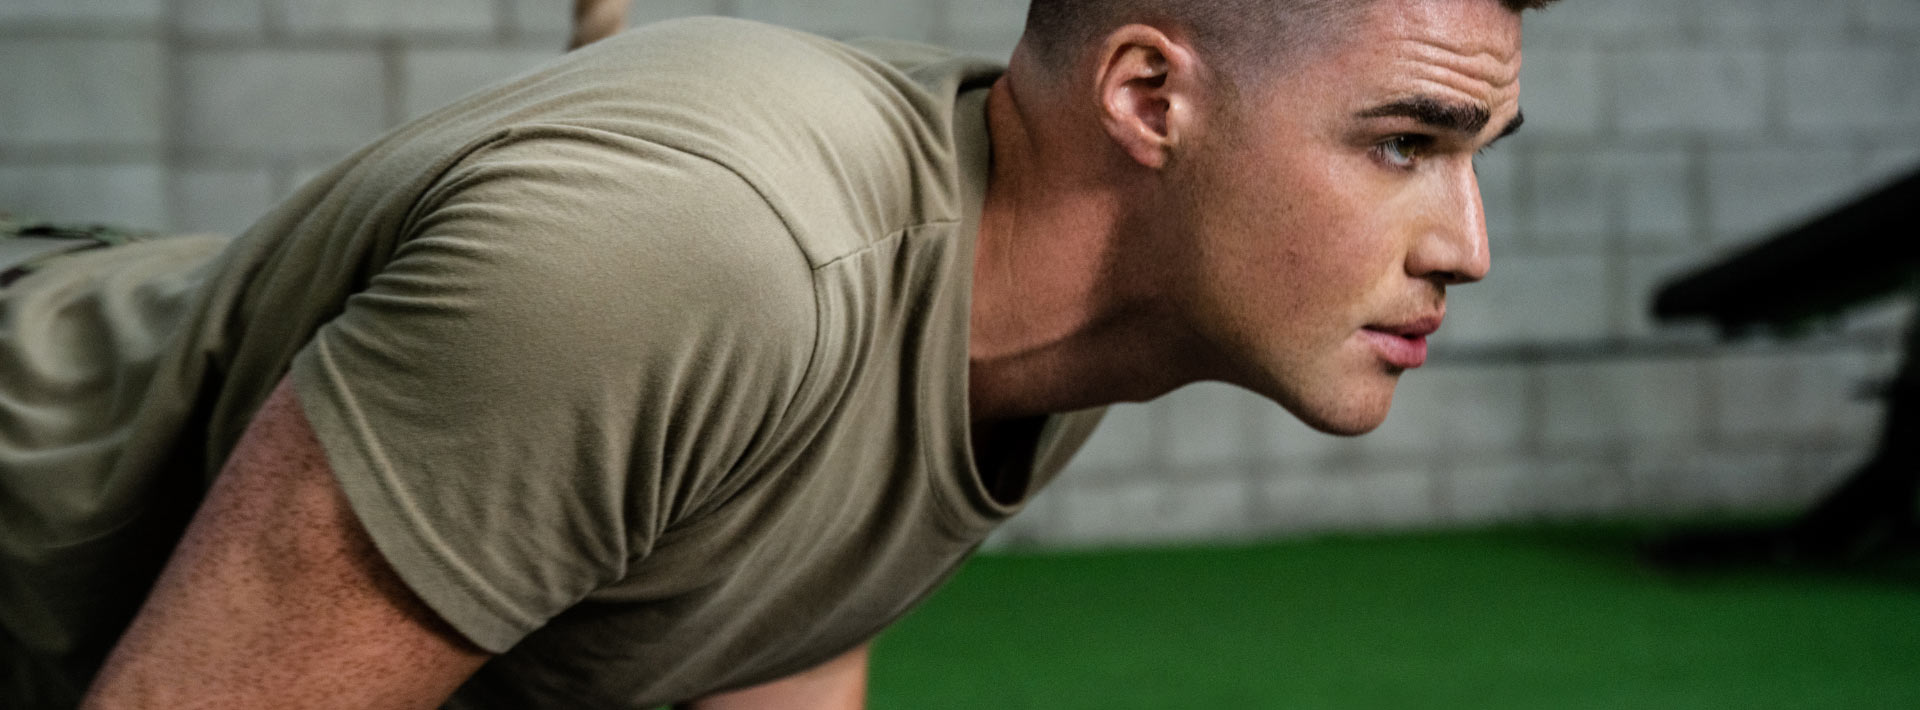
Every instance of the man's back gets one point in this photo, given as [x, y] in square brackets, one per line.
[611, 352]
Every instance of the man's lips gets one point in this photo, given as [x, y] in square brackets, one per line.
[1416, 328]
[1403, 345]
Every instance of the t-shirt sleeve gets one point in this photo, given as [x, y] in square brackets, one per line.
[576, 343]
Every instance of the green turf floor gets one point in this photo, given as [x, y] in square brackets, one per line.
[1525, 619]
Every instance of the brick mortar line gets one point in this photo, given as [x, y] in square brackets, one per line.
[1616, 213]
[212, 42]
[81, 35]
[1602, 349]
[285, 179]
[1697, 140]
[173, 111]
[939, 27]
[106, 31]
[92, 154]
[188, 154]
[1108, 479]
[1522, 210]
[1826, 137]
[393, 80]
[504, 27]
[1643, 448]
[1773, 103]
[275, 23]
[1535, 401]
[1147, 471]
[1576, 246]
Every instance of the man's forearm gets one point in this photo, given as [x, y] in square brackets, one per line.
[839, 684]
[277, 597]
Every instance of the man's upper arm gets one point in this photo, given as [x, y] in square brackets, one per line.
[276, 597]
[839, 684]
[569, 353]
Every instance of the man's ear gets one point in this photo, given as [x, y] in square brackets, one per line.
[1147, 89]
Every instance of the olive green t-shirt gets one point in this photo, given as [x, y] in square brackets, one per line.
[646, 370]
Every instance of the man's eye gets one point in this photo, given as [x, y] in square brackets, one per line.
[1401, 151]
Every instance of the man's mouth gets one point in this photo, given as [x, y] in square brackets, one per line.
[1402, 345]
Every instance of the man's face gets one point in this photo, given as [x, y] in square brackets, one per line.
[1331, 209]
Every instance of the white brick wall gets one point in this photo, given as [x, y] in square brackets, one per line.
[1754, 190]
[1498, 172]
[847, 18]
[220, 18]
[1594, 200]
[1571, 205]
[1212, 425]
[1530, 299]
[1888, 18]
[1444, 411]
[1641, 275]
[80, 14]
[264, 102]
[1682, 480]
[1586, 23]
[220, 200]
[985, 27]
[1606, 403]
[1284, 443]
[1560, 94]
[112, 193]
[1370, 498]
[1107, 512]
[75, 92]
[1662, 91]
[1660, 133]
[1883, 160]
[432, 78]
[386, 17]
[1852, 88]
[1761, 20]
[1812, 399]
[1527, 487]
[547, 20]
[1129, 438]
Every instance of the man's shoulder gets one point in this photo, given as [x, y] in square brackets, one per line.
[738, 144]
[848, 141]
[729, 71]
[634, 218]
[724, 49]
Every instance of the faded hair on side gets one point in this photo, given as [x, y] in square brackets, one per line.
[1237, 32]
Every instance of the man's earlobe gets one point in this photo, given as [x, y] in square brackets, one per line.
[1141, 92]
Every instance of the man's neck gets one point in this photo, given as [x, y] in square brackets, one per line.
[1056, 322]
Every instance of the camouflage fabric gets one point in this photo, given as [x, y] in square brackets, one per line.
[26, 244]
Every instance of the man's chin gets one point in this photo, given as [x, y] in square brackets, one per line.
[1345, 426]
[1342, 401]
[1350, 415]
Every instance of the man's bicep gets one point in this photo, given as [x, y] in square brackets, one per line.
[276, 597]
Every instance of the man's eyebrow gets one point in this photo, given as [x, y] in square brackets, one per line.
[1513, 126]
[1451, 116]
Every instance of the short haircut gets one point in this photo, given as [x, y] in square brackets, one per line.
[1235, 33]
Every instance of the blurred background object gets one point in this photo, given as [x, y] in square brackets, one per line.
[595, 20]
[1864, 251]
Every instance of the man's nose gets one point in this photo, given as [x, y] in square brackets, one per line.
[1451, 247]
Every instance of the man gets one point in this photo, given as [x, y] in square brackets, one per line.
[675, 371]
